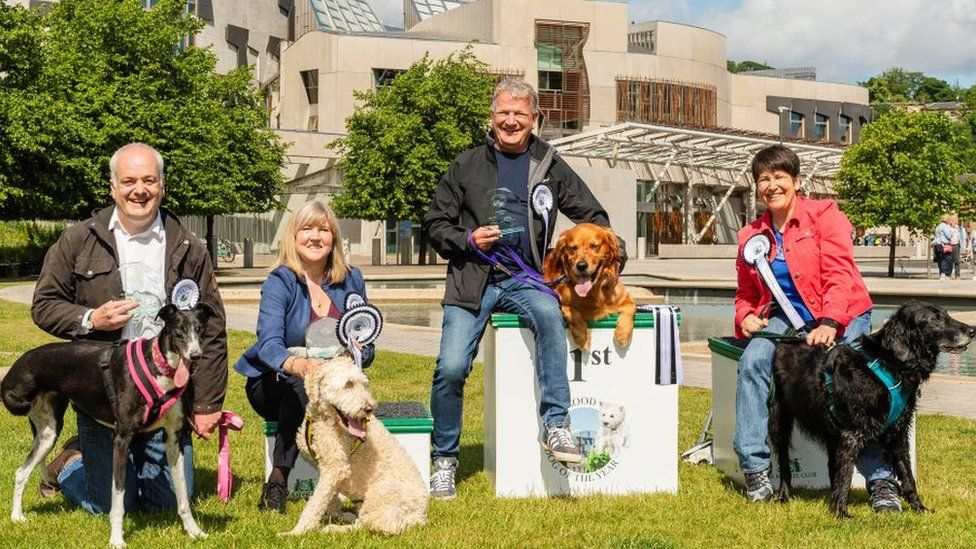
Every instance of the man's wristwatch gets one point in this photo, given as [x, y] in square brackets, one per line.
[87, 324]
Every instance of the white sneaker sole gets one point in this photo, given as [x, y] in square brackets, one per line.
[573, 459]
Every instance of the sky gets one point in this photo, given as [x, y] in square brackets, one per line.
[845, 40]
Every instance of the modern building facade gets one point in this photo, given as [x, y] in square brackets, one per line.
[594, 71]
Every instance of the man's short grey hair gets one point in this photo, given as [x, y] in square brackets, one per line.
[517, 89]
[114, 161]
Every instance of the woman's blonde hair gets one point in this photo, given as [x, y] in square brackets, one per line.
[313, 213]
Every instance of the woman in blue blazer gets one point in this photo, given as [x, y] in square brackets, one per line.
[309, 280]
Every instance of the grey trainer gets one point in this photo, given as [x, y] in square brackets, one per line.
[884, 496]
[559, 442]
[442, 478]
[758, 486]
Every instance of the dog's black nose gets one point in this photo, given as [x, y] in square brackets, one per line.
[972, 331]
[581, 266]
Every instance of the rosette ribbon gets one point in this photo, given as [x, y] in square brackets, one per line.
[756, 253]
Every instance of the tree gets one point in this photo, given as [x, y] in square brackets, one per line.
[904, 171]
[108, 72]
[743, 66]
[402, 137]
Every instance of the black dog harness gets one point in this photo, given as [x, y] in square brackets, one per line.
[898, 391]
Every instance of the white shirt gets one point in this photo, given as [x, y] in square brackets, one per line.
[142, 265]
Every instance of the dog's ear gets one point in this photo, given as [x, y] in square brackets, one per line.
[167, 312]
[613, 247]
[552, 268]
[204, 312]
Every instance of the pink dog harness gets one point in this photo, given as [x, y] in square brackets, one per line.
[157, 401]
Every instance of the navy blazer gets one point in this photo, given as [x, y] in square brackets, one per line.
[283, 319]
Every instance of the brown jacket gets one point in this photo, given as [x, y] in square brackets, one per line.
[81, 272]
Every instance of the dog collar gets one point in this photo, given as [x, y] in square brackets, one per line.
[159, 361]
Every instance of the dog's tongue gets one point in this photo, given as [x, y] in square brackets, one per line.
[355, 428]
[182, 375]
[583, 287]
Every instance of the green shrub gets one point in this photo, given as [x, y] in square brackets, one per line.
[27, 241]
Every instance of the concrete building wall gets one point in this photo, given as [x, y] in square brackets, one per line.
[244, 32]
[616, 191]
[749, 93]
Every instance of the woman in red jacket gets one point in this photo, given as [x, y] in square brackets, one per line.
[812, 258]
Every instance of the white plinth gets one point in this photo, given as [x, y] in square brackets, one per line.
[807, 456]
[644, 448]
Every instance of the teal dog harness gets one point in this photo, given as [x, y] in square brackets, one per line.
[898, 391]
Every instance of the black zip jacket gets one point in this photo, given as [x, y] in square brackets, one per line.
[461, 204]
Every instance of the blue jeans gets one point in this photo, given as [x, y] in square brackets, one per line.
[87, 482]
[752, 394]
[460, 335]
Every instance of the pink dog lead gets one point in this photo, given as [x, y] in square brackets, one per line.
[225, 479]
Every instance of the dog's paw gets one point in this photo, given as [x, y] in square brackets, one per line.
[622, 335]
[336, 528]
[782, 496]
[295, 532]
[198, 534]
[918, 507]
[116, 543]
[18, 517]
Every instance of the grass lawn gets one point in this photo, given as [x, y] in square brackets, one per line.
[708, 511]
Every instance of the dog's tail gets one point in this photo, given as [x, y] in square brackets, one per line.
[18, 390]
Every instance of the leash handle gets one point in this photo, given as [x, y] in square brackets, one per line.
[535, 279]
[225, 477]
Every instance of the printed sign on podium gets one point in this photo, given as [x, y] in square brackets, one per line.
[626, 425]
[808, 459]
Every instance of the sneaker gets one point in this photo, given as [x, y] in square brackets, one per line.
[274, 497]
[442, 479]
[559, 442]
[69, 452]
[758, 486]
[884, 496]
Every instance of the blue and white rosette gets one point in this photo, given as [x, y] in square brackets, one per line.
[362, 323]
[756, 253]
[353, 300]
[542, 203]
[185, 294]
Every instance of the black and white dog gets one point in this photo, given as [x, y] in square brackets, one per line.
[836, 398]
[135, 386]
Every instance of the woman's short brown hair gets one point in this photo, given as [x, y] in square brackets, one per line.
[313, 213]
[776, 157]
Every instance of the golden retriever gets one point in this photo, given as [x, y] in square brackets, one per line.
[587, 258]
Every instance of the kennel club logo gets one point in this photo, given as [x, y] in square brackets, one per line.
[600, 431]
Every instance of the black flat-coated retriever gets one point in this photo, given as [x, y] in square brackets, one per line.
[908, 345]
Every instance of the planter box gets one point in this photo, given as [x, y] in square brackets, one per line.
[808, 458]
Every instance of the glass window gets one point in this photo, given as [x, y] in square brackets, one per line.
[550, 57]
[822, 126]
[383, 77]
[796, 124]
[844, 125]
[311, 81]
[550, 81]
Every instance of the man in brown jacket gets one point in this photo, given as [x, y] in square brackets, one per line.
[105, 279]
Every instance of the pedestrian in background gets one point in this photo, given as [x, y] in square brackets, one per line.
[942, 247]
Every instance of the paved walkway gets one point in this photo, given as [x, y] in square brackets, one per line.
[952, 395]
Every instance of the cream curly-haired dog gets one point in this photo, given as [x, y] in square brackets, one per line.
[356, 456]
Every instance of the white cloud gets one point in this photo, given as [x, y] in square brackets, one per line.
[846, 40]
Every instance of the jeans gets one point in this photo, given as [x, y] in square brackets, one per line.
[752, 394]
[460, 335]
[944, 260]
[282, 399]
[87, 482]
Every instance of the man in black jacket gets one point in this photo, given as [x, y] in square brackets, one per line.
[489, 218]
